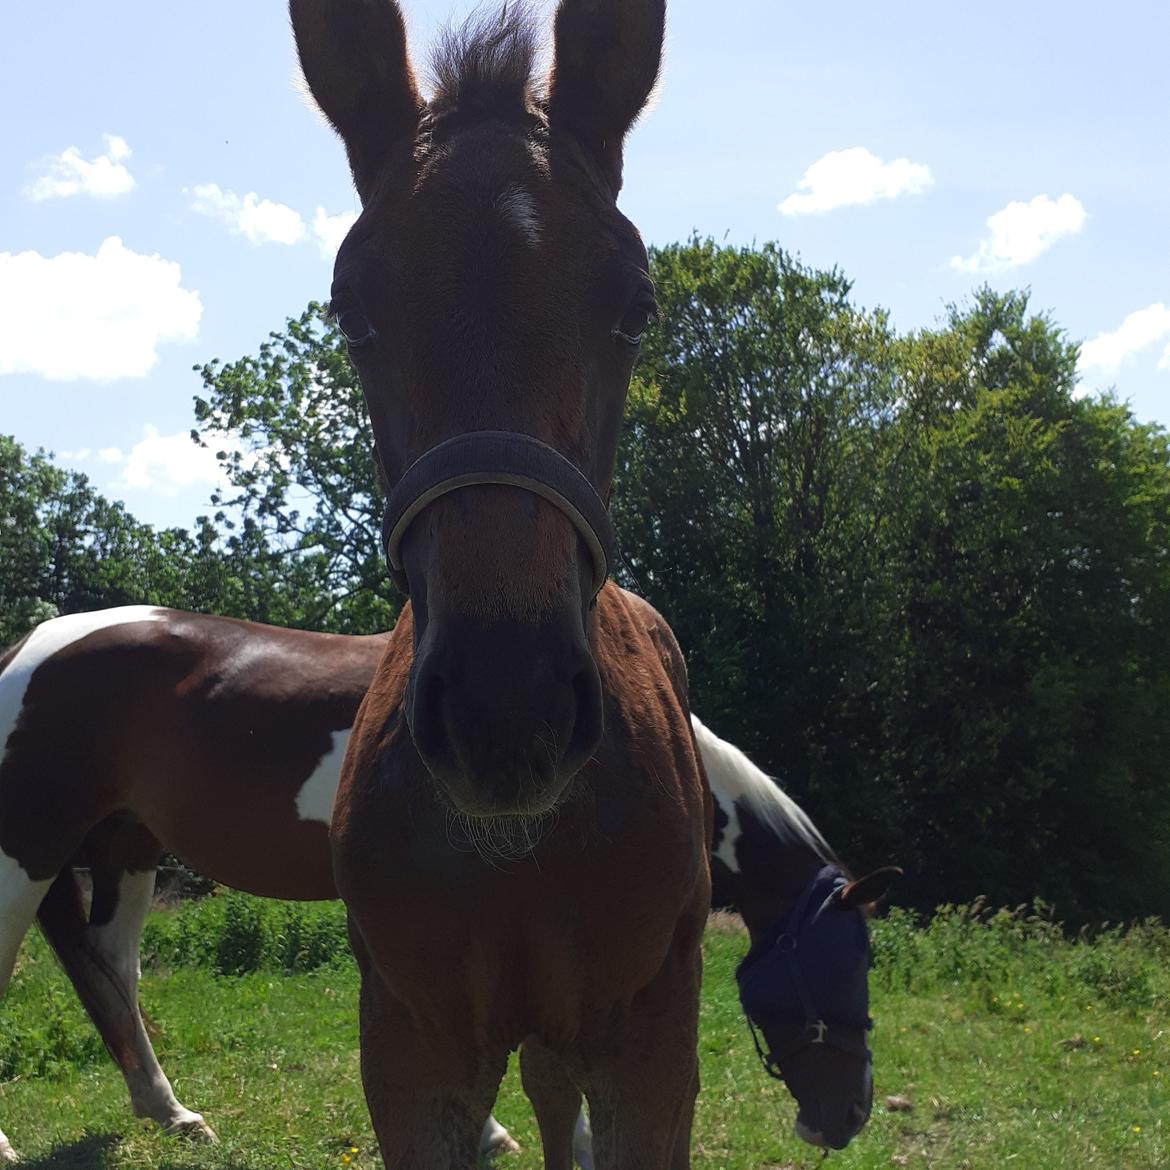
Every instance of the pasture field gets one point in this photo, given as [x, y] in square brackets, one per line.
[1013, 1047]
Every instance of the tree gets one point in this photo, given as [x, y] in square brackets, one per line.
[1027, 580]
[301, 472]
[745, 500]
[927, 585]
[63, 547]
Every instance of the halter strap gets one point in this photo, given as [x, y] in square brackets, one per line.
[498, 457]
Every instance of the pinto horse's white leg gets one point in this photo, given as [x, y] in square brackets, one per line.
[583, 1142]
[101, 960]
[495, 1139]
[20, 896]
[117, 945]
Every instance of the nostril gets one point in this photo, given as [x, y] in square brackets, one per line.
[588, 722]
[426, 714]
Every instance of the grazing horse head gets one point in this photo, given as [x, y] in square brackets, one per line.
[804, 982]
[493, 296]
[804, 985]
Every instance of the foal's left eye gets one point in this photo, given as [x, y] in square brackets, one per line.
[635, 320]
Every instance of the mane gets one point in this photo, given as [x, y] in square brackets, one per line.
[733, 776]
[484, 67]
[8, 653]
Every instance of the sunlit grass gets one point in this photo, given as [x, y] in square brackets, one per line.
[1013, 1048]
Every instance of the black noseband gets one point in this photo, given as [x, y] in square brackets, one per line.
[501, 457]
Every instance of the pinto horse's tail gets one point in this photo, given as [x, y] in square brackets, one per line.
[734, 779]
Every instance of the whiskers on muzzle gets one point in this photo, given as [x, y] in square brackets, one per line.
[502, 838]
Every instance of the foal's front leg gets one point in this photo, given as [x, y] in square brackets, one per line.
[428, 1096]
[642, 1089]
[556, 1101]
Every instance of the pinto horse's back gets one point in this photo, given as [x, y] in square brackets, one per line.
[198, 728]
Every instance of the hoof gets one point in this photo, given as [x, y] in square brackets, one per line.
[194, 1129]
[7, 1154]
[494, 1141]
[505, 1143]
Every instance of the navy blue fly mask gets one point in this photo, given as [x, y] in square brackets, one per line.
[805, 981]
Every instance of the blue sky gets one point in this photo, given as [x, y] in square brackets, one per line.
[167, 197]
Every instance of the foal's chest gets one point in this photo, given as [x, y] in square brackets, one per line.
[540, 944]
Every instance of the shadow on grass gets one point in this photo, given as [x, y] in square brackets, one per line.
[93, 1153]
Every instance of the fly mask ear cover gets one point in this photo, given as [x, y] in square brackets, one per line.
[804, 982]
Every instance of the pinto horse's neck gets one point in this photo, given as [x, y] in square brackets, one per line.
[765, 849]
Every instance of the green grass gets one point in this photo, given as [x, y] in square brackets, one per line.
[1016, 1047]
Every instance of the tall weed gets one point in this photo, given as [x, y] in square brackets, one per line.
[233, 934]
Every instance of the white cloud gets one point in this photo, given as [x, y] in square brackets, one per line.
[1140, 329]
[88, 454]
[165, 464]
[261, 220]
[846, 177]
[102, 317]
[330, 230]
[1021, 231]
[69, 174]
[162, 464]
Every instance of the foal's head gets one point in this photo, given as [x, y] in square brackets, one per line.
[491, 284]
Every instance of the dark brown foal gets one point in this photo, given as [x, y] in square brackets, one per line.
[520, 834]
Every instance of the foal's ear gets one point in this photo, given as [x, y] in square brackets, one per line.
[605, 65]
[354, 58]
[865, 891]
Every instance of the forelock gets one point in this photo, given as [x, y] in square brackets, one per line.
[483, 68]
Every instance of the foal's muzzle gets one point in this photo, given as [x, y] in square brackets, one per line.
[503, 712]
[504, 715]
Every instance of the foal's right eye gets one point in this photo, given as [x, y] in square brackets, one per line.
[355, 326]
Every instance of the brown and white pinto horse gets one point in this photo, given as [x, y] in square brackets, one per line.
[205, 735]
[129, 731]
[493, 296]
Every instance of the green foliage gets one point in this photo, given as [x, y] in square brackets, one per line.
[991, 954]
[301, 470]
[916, 577]
[234, 934]
[64, 548]
[50, 1036]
